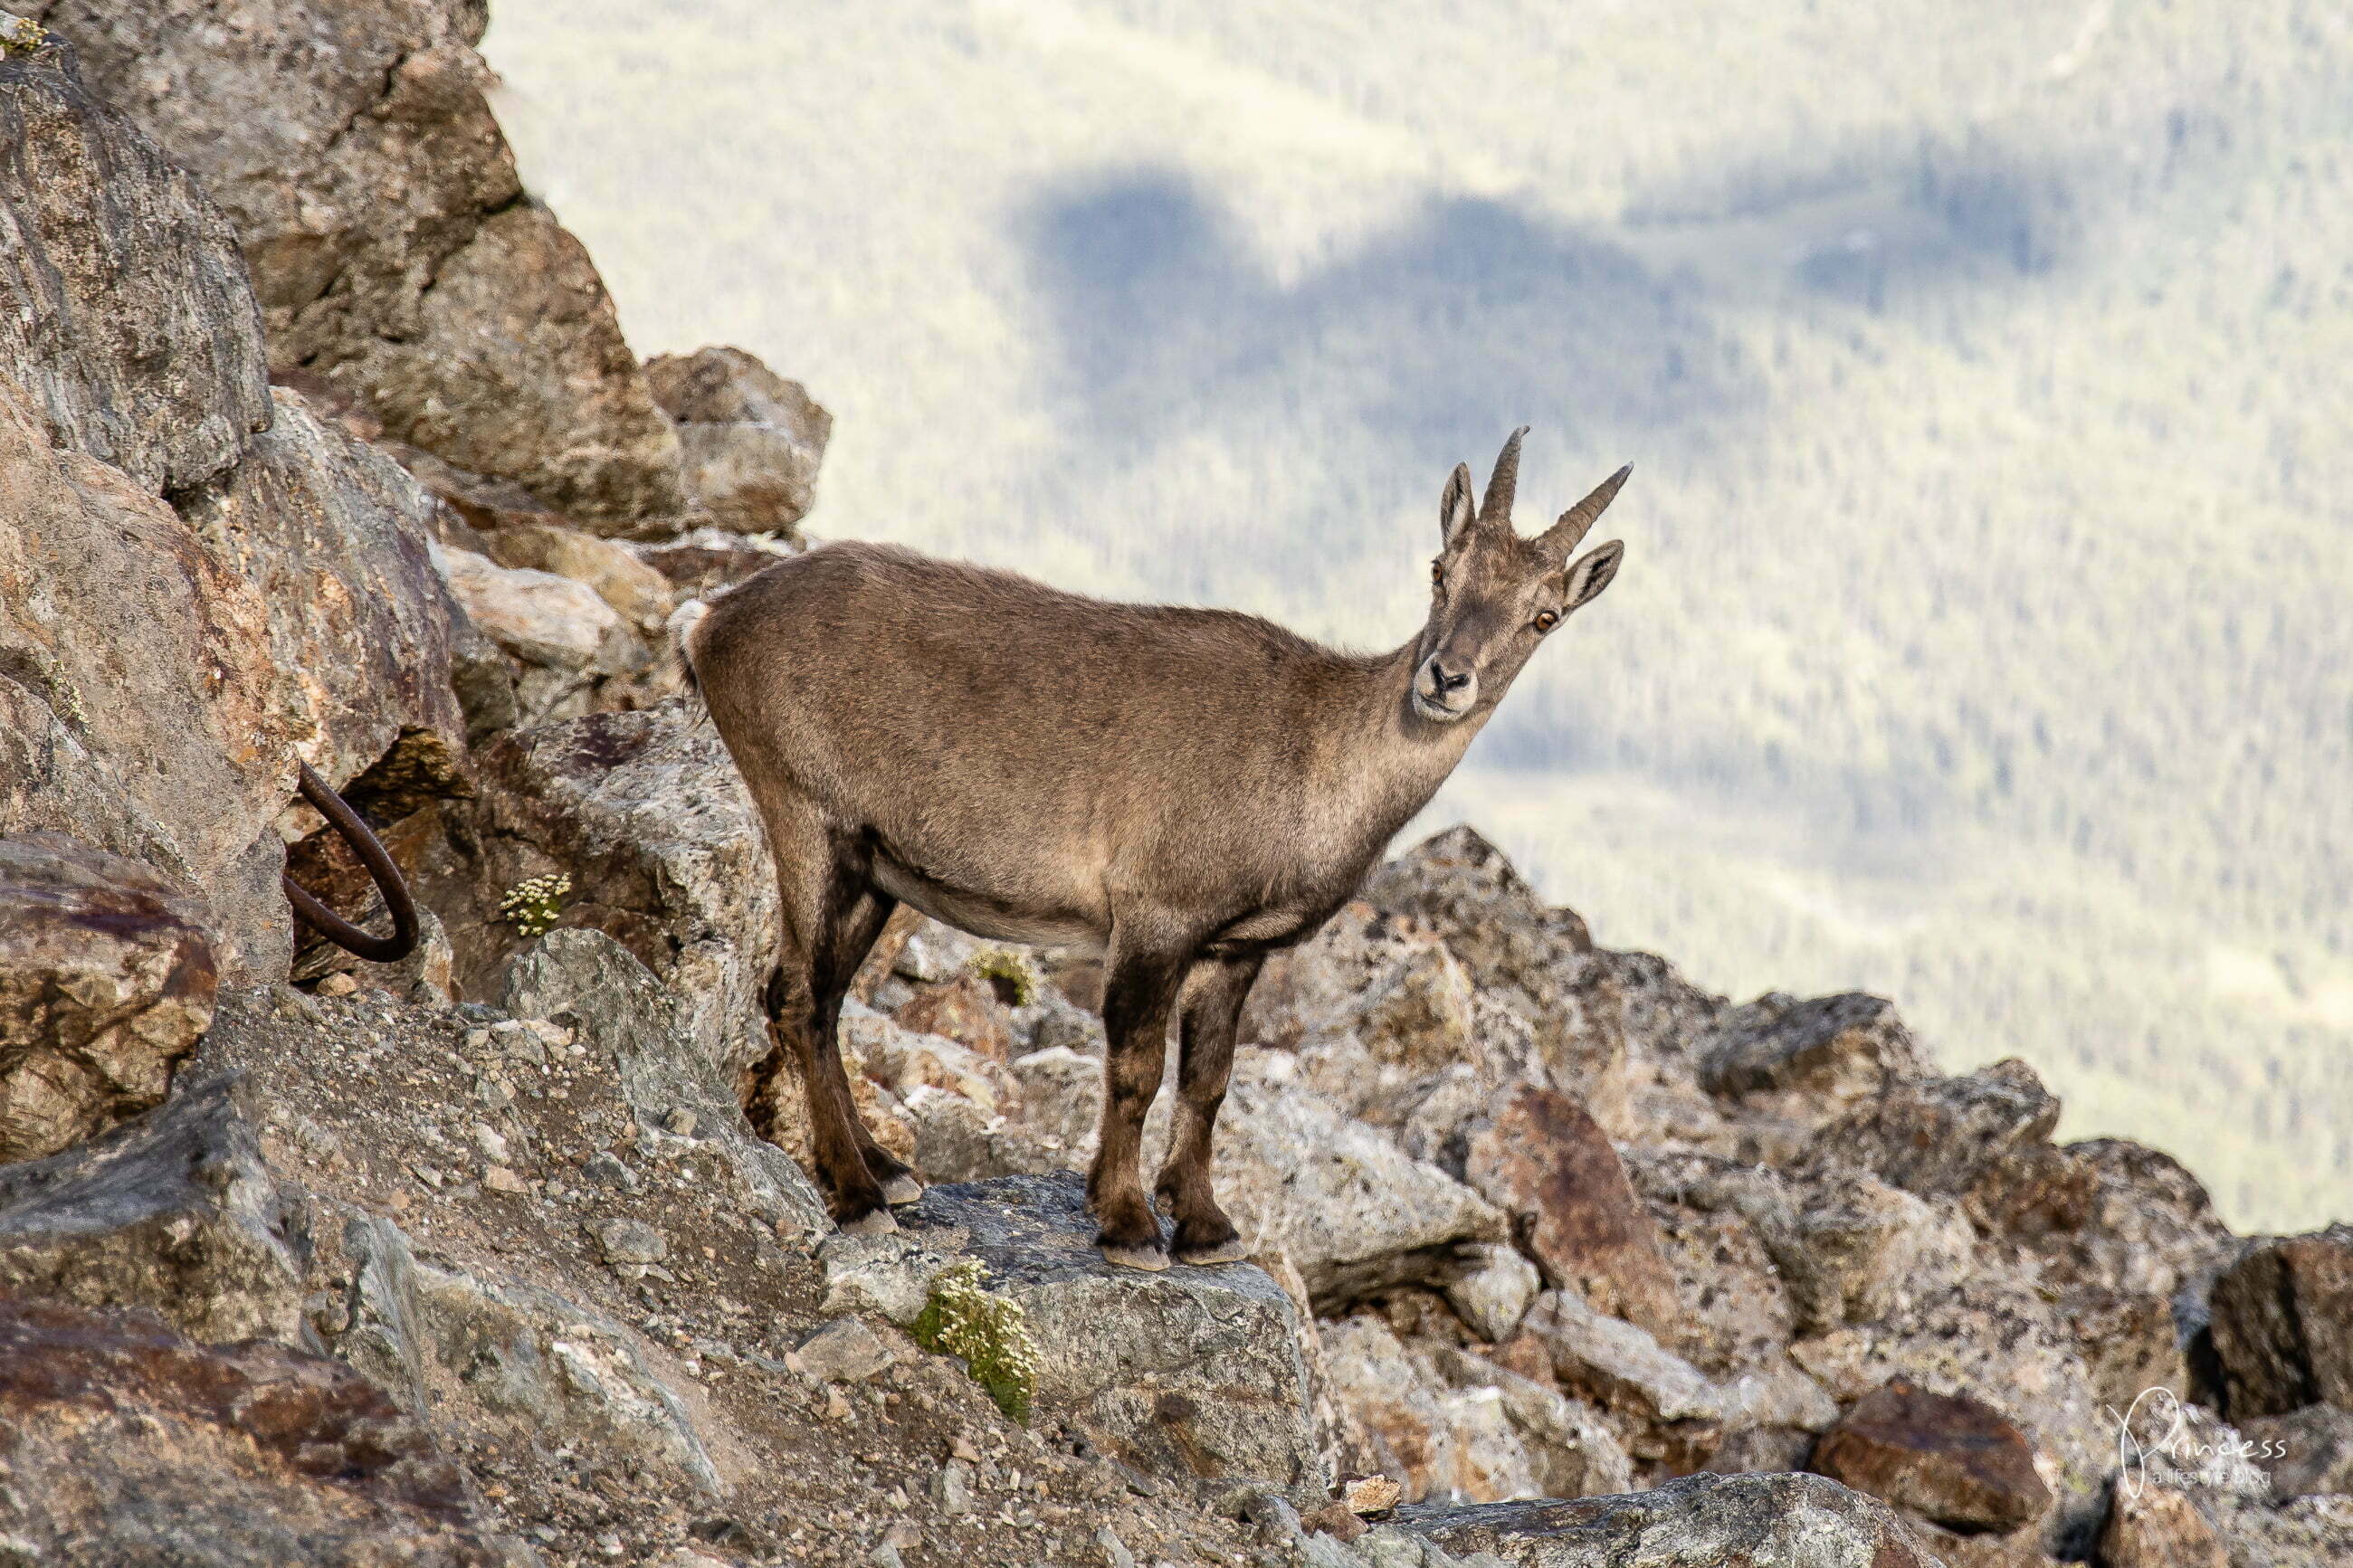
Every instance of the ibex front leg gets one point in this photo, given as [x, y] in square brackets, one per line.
[1139, 995]
[1213, 998]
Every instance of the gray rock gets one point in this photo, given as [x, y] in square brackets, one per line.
[1622, 1365]
[1491, 1286]
[379, 208]
[1445, 1424]
[114, 250]
[844, 1351]
[645, 815]
[141, 711]
[2305, 1451]
[2304, 1532]
[2106, 1213]
[642, 596]
[752, 440]
[587, 980]
[1599, 1022]
[510, 1361]
[1355, 1213]
[1192, 1373]
[1061, 1097]
[952, 1488]
[538, 616]
[1858, 1250]
[174, 1210]
[1700, 1521]
[106, 981]
[629, 1241]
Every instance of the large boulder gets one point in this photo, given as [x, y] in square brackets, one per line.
[125, 314]
[1940, 1136]
[1546, 1162]
[511, 1362]
[1700, 1521]
[1193, 1372]
[2105, 1213]
[752, 440]
[390, 241]
[1794, 1065]
[126, 1443]
[1615, 1028]
[110, 609]
[175, 1210]
[1994, 1338]
[1355, 1213]
[1949, 1459]
[2282, 1324]
[645, 816]
[106, 982]
[337, 540]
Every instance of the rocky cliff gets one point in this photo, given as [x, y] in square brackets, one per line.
[319, 443]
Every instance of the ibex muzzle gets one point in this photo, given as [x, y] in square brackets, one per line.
[1183, 790]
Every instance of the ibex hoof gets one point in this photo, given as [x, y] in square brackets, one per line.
[1215, 1253]
[901, 1191]
[1151, 1259]
[873, 1222]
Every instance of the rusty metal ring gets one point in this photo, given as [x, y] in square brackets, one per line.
[372, 853]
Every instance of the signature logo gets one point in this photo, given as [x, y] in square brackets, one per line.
[2156, 1446]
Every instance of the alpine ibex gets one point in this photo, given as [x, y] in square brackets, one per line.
[1181, 790]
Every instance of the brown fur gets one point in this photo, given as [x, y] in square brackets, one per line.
[1183, 790]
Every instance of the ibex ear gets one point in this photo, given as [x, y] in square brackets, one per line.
[1592, 571]
[1456, 507]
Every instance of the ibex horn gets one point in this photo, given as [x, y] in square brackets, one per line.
[1565, 535]
[371, 851]
[1497, 507]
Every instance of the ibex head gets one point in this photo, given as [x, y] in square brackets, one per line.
[1495, 596]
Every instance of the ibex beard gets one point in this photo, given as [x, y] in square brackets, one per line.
[1182, 791]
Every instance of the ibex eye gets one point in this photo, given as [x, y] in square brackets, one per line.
[1437, 572]
[1546, 621]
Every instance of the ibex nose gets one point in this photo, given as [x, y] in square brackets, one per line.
[1445, 682]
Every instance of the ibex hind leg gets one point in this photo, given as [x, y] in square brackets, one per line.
[831, 917]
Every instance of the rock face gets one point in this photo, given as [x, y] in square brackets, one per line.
[126, 1443]
[752, 439]
[1549, 1164]
[2284, 1325]
[1954, 1460]
[105, 980]
[644, 812]
[1353, 1212]
[116, 255]
[336, 540]
[175, 1210]
[1191, 1373]
[391, 244]
[1790, 1520]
